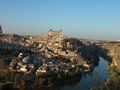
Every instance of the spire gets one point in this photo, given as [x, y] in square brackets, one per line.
[0, 29]
[50, 30]
[60, 30]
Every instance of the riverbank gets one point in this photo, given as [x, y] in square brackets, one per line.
[92, 79]
[111, 51]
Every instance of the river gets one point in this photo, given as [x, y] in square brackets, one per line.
[88, 81]
[99, 75]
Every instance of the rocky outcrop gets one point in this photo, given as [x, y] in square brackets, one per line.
[112, 52]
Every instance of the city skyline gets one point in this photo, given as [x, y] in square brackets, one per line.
[84, 19]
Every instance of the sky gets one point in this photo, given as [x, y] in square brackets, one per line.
[91, 19]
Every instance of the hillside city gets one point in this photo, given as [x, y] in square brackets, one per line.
[50, 59]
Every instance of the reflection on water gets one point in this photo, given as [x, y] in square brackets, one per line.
[99, 75]
[88, 81]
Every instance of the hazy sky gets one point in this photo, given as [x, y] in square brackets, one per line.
[94, 19]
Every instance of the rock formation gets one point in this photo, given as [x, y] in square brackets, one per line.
[113, 54]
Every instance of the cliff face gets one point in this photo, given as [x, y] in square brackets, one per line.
[113, 52]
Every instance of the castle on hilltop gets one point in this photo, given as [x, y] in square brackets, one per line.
[55, 37]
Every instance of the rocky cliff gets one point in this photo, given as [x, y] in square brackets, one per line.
[112, 51]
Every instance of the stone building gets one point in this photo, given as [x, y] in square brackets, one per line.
[55, 37]
[54, 40]
[0, 29]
